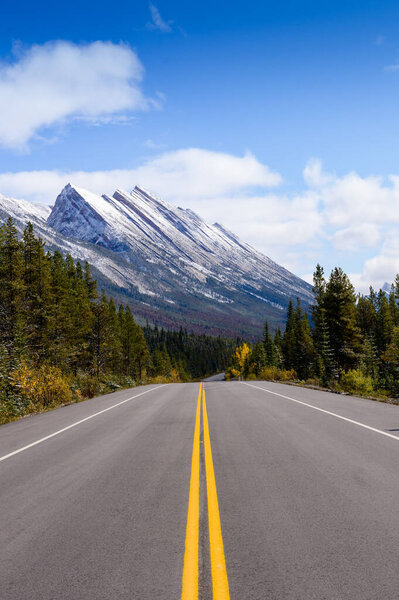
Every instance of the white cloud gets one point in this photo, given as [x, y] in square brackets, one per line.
[158, 22]
[350, 239]
[335, 220]
[314, 175]
[182, 176]
[360, 213]
[354, 200]
[47, 84]
[381, 268]
[196, 173]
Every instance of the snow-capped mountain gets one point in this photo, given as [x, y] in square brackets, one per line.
[170, 265]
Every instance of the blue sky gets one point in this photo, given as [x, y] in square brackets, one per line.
[278, 119]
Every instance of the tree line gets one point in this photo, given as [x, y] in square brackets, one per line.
[193, 356]
[348, 341]
[61, 340]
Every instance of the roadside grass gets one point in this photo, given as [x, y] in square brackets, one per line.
[36, 390]
[350, 385]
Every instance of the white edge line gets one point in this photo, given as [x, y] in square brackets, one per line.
[47, 437]
[390, 435]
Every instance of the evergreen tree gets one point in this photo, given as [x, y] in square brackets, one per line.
[289, 338]
[324, 361]
[100, 336]
[383, 322]
[340, 309]
[278, 344]
[37, 301]
[141, 354]
[12, 292]
[258, 358]
[270, 350]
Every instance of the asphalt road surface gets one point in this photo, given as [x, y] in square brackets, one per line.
[271, 492]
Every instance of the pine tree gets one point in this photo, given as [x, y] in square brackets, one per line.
[37, 301]
[60, 321]
[90, 282]
[340, 308]
[289, 339]
[271, 354]
[323, 360]
[383, 323]
[278, 344]
[326, 368]
[366, 314]
[305, 350]
[318, 310]
[142, 359]
[258, 358]
[393, 307]
[114, 341]
[99, 337]
[12, 292]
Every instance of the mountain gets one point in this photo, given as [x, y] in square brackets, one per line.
[169, 264]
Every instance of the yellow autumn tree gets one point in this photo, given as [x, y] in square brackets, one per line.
[241, 357]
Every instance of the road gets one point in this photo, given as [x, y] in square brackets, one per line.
[304, 504]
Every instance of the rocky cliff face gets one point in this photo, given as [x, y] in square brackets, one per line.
[171, 265]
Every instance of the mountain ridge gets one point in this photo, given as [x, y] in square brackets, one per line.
[166, 261]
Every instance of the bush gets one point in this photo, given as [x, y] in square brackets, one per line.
[112, 386]
[88, 385]
[174, 377]
[356, 382]
[276, 374]
[313, 381]
[251, 377]
[42, 387]
[11, 407]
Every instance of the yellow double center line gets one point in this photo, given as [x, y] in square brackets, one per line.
[220, 585]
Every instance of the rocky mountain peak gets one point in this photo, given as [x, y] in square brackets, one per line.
[166, 260]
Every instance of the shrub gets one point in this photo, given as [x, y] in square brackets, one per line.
[112, 386]
[313, 381]
[174, 377]
[356, 382]
[252, 377]
[159, 379]
[88, 385]
[276, 374]
[42, 387]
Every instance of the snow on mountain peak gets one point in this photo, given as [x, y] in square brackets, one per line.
[158, 254]
[18, 208]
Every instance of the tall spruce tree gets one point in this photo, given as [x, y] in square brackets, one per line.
[340, 307]
[324, 360]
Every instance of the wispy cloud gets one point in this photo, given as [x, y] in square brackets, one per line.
[101, 121]
[50, 84]
[392, 68]
[154, 145]
[158, 22]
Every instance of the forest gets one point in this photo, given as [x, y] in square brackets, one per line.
[62, 341]
[349, 342]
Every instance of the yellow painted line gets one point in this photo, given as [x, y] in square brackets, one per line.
[190, 568]
[220, 584]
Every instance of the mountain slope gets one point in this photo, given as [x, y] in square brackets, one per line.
[172, 266]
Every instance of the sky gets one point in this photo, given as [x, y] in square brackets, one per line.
[277, 119]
